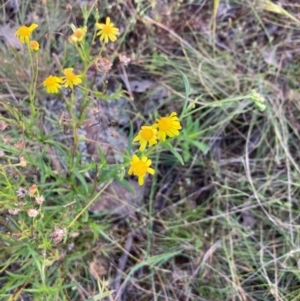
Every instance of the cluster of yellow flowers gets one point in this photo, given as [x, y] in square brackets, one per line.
[164, 127]
[24, 33]
[54, 83]
[107, 32]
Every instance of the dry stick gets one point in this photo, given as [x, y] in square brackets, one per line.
[235, 277]
[121, 267]
[272, 289]
[276, 284]
[247, 167]
[208, 254]
[10, 91]
[126, 82]
[162, 286]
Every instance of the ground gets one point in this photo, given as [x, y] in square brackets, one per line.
[219, 218]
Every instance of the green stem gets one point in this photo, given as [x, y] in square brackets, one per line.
[74, 125]
[89, 203]
[33, 81]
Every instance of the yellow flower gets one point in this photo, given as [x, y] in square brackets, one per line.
[52, 84]
[108, 31]
[147, 134]
[24, 32]
[34, 45]
[70, 79]
[168, 126]
[78, 34]
[140, 167]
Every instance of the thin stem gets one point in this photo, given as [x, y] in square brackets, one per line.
[32, 84]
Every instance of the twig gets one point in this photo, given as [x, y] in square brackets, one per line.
[121, 267]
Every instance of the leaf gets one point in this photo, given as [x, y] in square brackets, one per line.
[201, 145]
[127, 185]
[151, 262]
[130, 138]
[169, 147]
[187, 90]
[82, 180]
[275, 8]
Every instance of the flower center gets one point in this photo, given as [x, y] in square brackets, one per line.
[70, 77]
[107, 29]
[24, 31]
[51, 81]
[139, 168]
[164, 124]
[78, 33]
[147, 134]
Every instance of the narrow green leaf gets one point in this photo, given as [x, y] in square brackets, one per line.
[156, 260]
[201, 145]
[169, 147]
[187, 90]
[130, 138]
[82, 180]
[127, 185]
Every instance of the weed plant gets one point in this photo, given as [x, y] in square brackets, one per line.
[219, 219]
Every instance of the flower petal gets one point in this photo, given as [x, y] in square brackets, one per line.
[161, 136]
[33, 26]
[144, 159]
[112, 37]
[136, 138]
[115, 31]
[152, 141]
[170, 134]
[151, 171]
[135, 158]
[143, 145]
[141, 180]
[99, 25]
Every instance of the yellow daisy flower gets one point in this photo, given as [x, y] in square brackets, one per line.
[34, 45]
[168, 126]
[108, 31]
[52, 84]
[140, 167]
[78, 34]
[147, 134]
[70, 79]
[24, 32]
